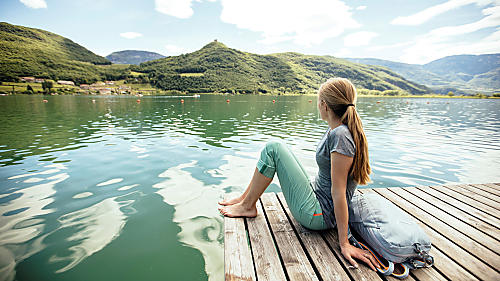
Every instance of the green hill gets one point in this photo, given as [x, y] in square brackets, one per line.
[28, 51]
[217, 68]
[133, 57]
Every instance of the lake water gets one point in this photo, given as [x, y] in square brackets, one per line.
[120, 190]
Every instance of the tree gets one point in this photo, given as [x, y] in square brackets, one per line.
[450, 94]
[46, 86]
[29, 89]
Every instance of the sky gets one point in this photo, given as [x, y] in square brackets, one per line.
[415, 32]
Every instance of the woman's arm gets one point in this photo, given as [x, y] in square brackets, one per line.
[341, 165]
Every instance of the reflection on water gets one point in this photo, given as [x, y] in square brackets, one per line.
[21, 229]
[87, 188]
[201, 225]
[97, 226]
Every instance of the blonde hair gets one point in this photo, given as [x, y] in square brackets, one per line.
[340, 96]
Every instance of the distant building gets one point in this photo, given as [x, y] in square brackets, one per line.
[39, 80]
[98, 84]
[64, 82]
[106, 91]
[109, 82]
[85, 86]
[28, 79]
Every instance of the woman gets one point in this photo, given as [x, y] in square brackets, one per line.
[342, 157]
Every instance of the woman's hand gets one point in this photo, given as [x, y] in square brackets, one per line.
[349, 252]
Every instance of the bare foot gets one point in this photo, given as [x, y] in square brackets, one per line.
[230, 201]
[238, 210]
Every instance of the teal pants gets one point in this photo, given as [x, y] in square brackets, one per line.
[297, 189]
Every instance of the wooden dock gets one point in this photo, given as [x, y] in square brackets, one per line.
[462, 221]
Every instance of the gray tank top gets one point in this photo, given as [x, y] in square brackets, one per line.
[336, 140]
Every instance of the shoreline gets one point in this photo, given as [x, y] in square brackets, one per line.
[260, 94]
[122, 88]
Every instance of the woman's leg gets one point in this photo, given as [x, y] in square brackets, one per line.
[244, 206]
[238, 199]
[297, 190]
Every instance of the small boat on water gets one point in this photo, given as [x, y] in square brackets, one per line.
[196, 96]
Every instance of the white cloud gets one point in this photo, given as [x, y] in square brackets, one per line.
[429, 13]
[177, 8]
[491, 19]
[285, 20]
[361, 8]
[173, 50]
[130, 35]
[34, 4]
[443, 41]
[359, 38]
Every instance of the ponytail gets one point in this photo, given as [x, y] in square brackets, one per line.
[360, 170]
[340, 96]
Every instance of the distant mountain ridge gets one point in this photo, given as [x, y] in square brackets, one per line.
[133, 57]
[466, 73]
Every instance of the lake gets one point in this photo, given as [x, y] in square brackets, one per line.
[120, 190]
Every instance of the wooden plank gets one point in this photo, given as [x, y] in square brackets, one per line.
[488, 187]
[460, 189]
[409, 278]
[267, 262]
[478, 260]
[455, 212]
[324, 260]
[429, 273]
[238, 263]
[294, 258]
[450, 201]
[492, 185]
[449, 268]
[490, 211]
[461, 220]
[363, 272]
[455, 223]
[483, 193]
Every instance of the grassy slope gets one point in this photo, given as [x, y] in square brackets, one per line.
[33, 52]
[222, 69]
[226, 69]
[314, 70]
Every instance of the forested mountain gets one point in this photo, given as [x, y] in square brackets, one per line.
[133, 57]
[28, 51]
[215, 67]
[469, 73]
